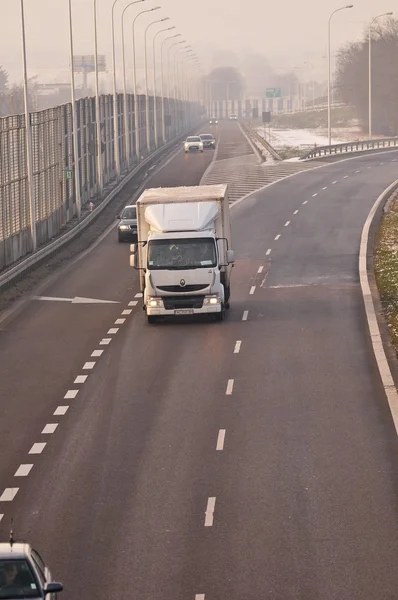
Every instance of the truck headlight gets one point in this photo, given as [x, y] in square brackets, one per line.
[124, 227]
[211, 300]
[155, 302]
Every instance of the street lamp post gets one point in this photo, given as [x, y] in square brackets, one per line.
[155, 108]
[136, 107]
[74, 117]
[169, 79]
[97, 106]
[171, 37]
[329, 71]
[370, 68]
[28, 136]
[177, 82]
[147, 124]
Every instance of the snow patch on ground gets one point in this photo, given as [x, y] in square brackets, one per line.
[308, 138]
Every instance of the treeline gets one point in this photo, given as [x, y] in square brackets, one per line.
[352, 78]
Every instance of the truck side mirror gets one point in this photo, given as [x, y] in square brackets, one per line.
[230, 256]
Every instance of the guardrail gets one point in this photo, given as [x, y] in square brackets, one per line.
[357, 146]
[254, 135]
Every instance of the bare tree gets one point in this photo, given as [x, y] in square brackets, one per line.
[226, 82]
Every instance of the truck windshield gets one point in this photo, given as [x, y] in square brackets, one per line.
[193, 253]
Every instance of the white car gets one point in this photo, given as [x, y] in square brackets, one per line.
[193, 143]
[233, 117]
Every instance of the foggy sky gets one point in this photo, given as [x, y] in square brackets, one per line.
[287, 32]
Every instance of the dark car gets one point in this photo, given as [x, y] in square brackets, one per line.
[127, 229]
[213, 121]
[208, 140]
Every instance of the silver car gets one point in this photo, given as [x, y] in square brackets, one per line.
[23, 574]
[127, 228]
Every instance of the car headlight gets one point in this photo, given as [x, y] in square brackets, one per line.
[155, 302]
[124, 227]
[211, 300]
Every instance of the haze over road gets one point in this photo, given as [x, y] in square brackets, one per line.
[254, 458]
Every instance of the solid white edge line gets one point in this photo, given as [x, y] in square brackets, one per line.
[9, 494]
[374, 331]
[221, 440]
[252, 289]
[238, 344]
[245, 315]
[211, 502]
[50, 428]
[230, 387]
[23, 470]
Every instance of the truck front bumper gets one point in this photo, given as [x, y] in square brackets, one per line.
[205, 310]
[183, 305]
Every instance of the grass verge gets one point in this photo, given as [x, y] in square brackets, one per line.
[386, 267]
[343, 116]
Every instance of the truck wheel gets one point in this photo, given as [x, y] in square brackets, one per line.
[227, 296]
[152, 319]
[221, 315]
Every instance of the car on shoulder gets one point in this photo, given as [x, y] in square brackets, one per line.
[193, 143]
[23, 574]
[233, 117]
[127, 228]
[208, 140]
[213, 121]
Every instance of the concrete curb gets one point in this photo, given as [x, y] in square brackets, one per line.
[14, 272]
[374, 330]
[213, 160]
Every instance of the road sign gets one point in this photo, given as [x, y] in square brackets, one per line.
[273, 93]
[266, 117]
[86, 63]
[69, 174]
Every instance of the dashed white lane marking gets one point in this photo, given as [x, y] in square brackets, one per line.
[237, 347]
[334, 182]
[358, 171]
[139, 295]
[133, 303]
[305, 201]
[325, 188]
[287, 223]
[211, 502]
[345, 176]
[268, 252]
[70, 394]
[1, 517]
[230, 387]
[245, 315]
[37, 448]
[199, 597]
[96, 353]
[221, 439]
[260, 269]
[81, 379]
[127, 312]
[50, 428]
[105, 341]
[368, 167]
[89, 365]
[252, 289]
[313, 195]
[61, 410]
[382, 163]
[295, 212]
[8, 495]
[277, 236]
[120, 321]
[23, 470]
[113, 330]
[394, 160]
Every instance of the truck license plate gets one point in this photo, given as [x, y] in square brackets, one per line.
[184, 311]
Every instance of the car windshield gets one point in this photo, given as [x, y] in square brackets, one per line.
[17, 580]
[193, 253]
[206, 137]
[129, 213]
[193, 139]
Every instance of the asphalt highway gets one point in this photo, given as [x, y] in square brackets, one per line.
[254, 458]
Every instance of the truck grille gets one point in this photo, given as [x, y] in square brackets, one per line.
[187, 288]
[175, 302]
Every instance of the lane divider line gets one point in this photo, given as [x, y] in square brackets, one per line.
[305, 201]
[268, 252]
[37, 448]
[81, 379]
[133, 303]
[138, 295]
[334, 182]
[1, 517]
[211, 503]
[23, 470]
[252, 289]
[9, 494]
[60, 411]
[71, 394]
[105, 341]
[237, 346]
[88, 365]
[120, 321]
[260, 269]
[325, 188]
[127, 312]
[230, 387]
[221, 440]
[345, 176]
[199, 597]
[245, 315]
[287, 223]
[97, 353]
[277, 237]
[50, 428]
[295, 212]
[314, 195]
[113, 330]
[374, 331]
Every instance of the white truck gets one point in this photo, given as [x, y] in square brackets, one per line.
[184, 251]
